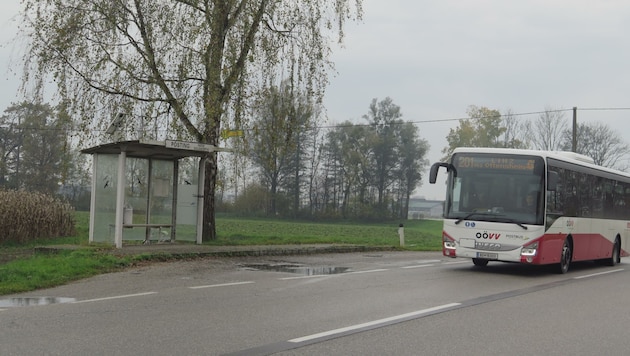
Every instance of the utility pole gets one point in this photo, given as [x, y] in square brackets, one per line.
[574, 143]
[20, 142]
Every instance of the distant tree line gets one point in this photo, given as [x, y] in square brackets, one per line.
[37, 154]
[289, 165]
[350, 171]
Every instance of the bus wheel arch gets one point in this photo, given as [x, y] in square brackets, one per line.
[566, 254]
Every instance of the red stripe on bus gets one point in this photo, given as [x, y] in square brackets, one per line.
[586, 247]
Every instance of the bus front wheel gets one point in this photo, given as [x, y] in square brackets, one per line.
[616, 254]
[480, 262]
[565, 257]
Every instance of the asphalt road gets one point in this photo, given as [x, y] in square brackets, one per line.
[372, 303]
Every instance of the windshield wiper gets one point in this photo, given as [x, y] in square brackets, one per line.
[519, 224]
[471, 214]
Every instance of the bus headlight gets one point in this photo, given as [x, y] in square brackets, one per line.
[448, 243]
[530, 250]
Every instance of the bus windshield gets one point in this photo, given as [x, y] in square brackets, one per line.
[496, 187]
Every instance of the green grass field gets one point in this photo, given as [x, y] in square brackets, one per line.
[23, 270]
[420, 235]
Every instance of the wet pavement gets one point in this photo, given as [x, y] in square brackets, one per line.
[300, 269]
[33, 301]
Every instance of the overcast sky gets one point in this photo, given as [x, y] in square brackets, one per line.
[436, 58]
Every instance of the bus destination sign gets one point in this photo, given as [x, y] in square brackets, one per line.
[498, 163]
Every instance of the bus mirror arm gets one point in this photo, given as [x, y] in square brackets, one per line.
[434, 170]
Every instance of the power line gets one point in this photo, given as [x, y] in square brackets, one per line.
[6, 126]
[602, 109]
[483, 117]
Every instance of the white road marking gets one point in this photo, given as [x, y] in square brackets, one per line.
[372, 323]
[429, 261]
[114, 297]
[417, 266]
[599, 274]
[222, 285]
[368, 271]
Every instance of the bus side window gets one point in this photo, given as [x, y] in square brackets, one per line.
[556, 199]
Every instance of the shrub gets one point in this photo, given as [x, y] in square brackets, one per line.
[27, 216]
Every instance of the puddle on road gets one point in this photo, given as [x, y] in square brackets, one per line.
[297, 269]
[33, 301]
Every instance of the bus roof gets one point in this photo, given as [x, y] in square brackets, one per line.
[565, 156]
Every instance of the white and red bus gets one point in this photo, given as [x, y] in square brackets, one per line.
[534, 207]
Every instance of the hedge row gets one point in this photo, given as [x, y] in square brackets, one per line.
[27, 216]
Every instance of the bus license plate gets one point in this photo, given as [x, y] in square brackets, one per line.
[487, 255]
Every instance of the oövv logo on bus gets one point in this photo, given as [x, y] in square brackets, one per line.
[486, 235]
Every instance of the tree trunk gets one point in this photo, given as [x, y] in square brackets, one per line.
[209, 227]
[405, 209]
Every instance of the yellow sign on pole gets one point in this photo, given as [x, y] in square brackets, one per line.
[232, 133]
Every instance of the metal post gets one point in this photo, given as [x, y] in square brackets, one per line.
[120, 197]
[401, 234]
[147, 231]
[574, 143]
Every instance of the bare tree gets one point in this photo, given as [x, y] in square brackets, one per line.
[601, 143]
[39, 154]
[547, 130]
[516, 132]
[384, 119]
[284, 121]
[411, 156]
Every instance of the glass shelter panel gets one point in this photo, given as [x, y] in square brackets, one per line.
[161, 198]
[187, 199]
[136, 197]
[106, 183]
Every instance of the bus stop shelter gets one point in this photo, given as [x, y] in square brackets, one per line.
[147, 191]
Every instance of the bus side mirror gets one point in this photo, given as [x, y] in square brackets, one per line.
[552, 180]
[434, 170]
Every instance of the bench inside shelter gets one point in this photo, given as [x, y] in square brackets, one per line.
[149, 231]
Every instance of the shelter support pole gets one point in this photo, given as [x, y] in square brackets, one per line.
[174, 202]
[147, 231]
[120, 198]
[200, 198]
[93, 196]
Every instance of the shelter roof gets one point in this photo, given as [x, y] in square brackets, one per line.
[164, 150]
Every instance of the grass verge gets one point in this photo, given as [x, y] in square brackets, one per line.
[48, 270]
